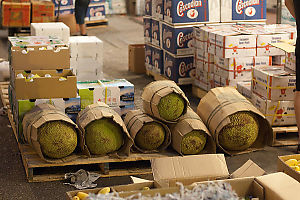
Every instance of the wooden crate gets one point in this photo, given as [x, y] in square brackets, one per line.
[285, 136]
[96, 23]
[156, 76]
[38, 170]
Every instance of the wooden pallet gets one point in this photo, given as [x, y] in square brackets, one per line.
[156, 76]
[198, 92]
[38, 170]
[96, 23]
[285, 136]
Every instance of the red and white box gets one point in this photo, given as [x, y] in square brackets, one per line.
[290, 61]
[244, 89]
[204, 80]
[264, 47]
[205, 61]
[278, 60]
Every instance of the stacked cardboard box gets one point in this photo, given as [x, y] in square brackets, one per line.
[40, 73]
[16, 14]
[87, 65]
[96, 10]
[42, 11]
[66, 7]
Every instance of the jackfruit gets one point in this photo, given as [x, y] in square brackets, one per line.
[151, 136]
[57, 139]
[103, 136]
[171, 106]
[241, 133]
[193, 142]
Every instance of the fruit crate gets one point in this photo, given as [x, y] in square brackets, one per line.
[38, 170]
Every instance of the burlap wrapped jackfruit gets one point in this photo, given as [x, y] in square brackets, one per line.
[215, 109]
[136, 121]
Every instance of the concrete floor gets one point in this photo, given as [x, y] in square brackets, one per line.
[116, 37]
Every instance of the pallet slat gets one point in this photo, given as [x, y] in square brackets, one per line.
[285, 136]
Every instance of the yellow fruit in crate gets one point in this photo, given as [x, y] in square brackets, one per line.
[105, 190]
[75, 198]
[298, 161]
[291, 162]
[82, 195]
[296, 168]
[146, 188]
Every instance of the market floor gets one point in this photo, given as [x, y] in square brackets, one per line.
[121, 32]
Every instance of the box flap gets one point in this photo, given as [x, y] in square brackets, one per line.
[197, 166]
[286, 45]
[279, 186]
[249, 169]
[138, 180]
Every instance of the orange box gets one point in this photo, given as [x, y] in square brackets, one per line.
[18, 1]
[15, 14]
[42, 11]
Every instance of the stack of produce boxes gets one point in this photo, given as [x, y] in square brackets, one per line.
[66, 7]
[40, 73]
[16, 13]
[42, 11]
[168, 27]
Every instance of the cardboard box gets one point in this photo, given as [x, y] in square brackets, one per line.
[283, 167]
[156, 33]
[290, 61]
[148, 57]
[69, 20]
[63, 2]
[147, 29]
[157, 60]
[80, 44]
[264, 47]
[204, 80]
[237, 10]
[278, 113]
[42, 11]
[245, 89]
[136, 58]
[65, 10]
[177, 40]
[56, 29]
[278, 60]
[15, 14]
[61, 84]
[157, 9]
[96, 11]
[118, 92]
[205, 61]
[148, 7]
[84, 73]
[274, 83]
[123, 110]
[188, 12]
[223, 102]
[179, 68]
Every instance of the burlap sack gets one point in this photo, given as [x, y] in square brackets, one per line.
[98, 111]
[216, 107]
[187, 123]
[38, 116]
[135, 120]
[156, 90]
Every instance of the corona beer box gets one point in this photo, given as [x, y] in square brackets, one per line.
[15, 14]
[95, 12]
[156, 33]
[274, 83]
[177, 40]
[243, 10]
[148, 7]
[148, 57]
[180, 69]
[278, 113]
[147, 29]
[157, 60]
[191, 11]
[42, 11]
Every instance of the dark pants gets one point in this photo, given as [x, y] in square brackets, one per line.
[81, 7]
[297, 7]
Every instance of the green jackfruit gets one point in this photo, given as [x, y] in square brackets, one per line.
[58, 139]
[103, 136]
[193, 142]
[171, 106]
[151, 136]
[241, 133]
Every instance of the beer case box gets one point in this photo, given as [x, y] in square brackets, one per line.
[157, 9]
[136, 58]
[97, 1]
[243, 10]
[204, 80]
[283, 167]
[95, 11]
[16, 14]
[148, 57]
[147, 29]
[274, 83]
[264, 47]
[278, 60]
[278, 113]
[55, 29]
[94, 71]
[42, 11]
[18, 1]
[206, 60]
[189, 12]
[64, 10]
[157, 60]
[148, 7]
[61, 84]
[177, 40]
[156, 33]
[123, 110]
[63, 3]
[80, 44]
[118, 92]
[180, 69]
[244, 88]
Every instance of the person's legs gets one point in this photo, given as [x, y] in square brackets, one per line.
[297, 93]
[81, 7]
[82, 29]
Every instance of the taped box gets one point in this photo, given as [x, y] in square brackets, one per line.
[264, 47]
[38, 53]
[243, 10]
[16, 14]
[180, 69]
[244, 89]
[157, 60]
[56, 29]
[274, 83]
[156, 33]
[147, 29]
[204, 80]
[177, 40]
[191, 11]
[278, 113]
[223, 82]
[118, 92]
[95, 11]
[42, 11]
[205, 61]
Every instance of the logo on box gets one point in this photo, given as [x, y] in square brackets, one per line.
[247, 6]
[189, 7]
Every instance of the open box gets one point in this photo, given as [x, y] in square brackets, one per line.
[283, 167]
[61, 84]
